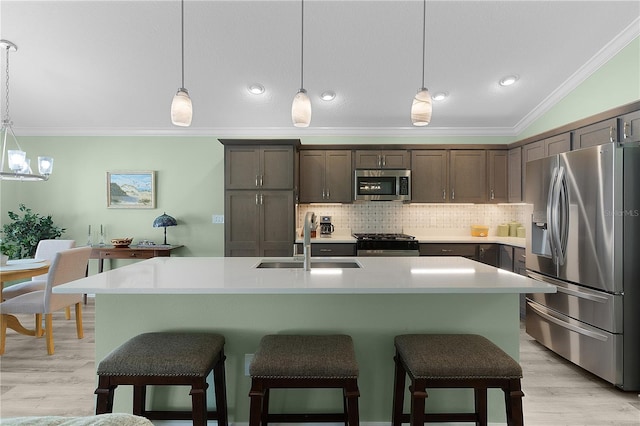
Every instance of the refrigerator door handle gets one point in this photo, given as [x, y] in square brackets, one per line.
[566, 325]
[581, 295]
[561, 216]
[551, 213]
[560, 287]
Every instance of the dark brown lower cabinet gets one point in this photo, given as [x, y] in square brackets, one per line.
[329, 249]
[484, 253]
[259, 223]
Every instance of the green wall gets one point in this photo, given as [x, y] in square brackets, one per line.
[189, 187]
[616, 83]
[189, 169]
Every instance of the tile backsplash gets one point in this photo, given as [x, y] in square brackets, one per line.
[397, 217]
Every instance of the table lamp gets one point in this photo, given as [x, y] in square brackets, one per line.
[162, 222]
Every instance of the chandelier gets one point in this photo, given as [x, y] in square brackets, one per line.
[16, 159]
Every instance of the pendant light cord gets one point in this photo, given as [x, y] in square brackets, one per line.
[6, 110]
[424, 31]
[182, 37]
[302, 46]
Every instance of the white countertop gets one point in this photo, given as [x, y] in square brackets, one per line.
[239, 275]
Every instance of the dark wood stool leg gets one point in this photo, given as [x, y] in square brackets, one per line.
[256, 394]
[352, 394]
[398, 392]
[418, 392]
[199, 402]
[265, 407]
[480, 396]
[220, 387]
[513, 401]
[105, 391]
[139, 399]
[345, 406]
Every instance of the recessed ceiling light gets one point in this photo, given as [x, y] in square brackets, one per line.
[328, 95]
[508, 80]
[440, 96]
[256, 89]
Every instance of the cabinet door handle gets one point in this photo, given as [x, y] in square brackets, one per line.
[328, 194]
[261, 199]
[379, 160]
[446, 250]
[257, 185]
[453, 194]
[325, 250]
[133, 255]
[444, 194]
[492, 194]
[625, 127]
[384, 161]
[256, 199]
[611, 132]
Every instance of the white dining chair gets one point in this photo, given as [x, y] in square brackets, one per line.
[67, 265]
[46, 250]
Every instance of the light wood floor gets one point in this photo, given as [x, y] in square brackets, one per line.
[35, 384]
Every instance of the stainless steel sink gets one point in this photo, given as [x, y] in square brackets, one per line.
[338, 264]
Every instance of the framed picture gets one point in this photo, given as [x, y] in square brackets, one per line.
[131, 190]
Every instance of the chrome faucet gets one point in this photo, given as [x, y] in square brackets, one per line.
[309, 220]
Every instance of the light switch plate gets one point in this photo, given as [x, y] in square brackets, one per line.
[217, 218]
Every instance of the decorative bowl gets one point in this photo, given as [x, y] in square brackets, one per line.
[121, 242]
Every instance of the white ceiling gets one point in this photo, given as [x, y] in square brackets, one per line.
[112, 67]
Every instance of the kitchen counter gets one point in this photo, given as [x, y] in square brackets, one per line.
[429, 238]
[239, 275]
[384, 298]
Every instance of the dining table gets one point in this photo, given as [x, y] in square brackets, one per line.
[17, 270]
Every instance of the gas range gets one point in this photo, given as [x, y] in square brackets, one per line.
[383, 244]
[383, 236]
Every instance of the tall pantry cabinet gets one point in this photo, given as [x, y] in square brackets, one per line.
[259, 197]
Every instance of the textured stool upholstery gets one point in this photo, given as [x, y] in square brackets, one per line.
[166, 358]
[454, 361]
[304, 361]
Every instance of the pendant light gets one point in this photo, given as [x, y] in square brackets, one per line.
[301, 107]
[181, 108]
[17, 159]
[421, 107]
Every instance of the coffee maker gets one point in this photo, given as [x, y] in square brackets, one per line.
[326, 228]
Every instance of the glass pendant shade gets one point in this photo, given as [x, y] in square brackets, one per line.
[421, 108]
[16, 159]
[26, 167]
[45, 165]
[181, 108]
[301, 109]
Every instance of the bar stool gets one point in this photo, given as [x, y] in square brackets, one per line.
[454, 361]
[304, 361]
[166, 358]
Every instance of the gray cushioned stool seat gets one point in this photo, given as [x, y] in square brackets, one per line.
[304, 361]
[166, 358]
[454, 361]
[455, 356]
[304, 356]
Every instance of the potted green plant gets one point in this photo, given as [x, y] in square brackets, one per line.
[20, 237]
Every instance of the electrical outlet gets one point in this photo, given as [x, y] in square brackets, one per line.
[217, 218]
[247, 361]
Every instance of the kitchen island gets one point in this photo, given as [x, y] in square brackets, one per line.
[374, 302]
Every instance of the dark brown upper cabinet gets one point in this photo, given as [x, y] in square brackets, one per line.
[385, 159]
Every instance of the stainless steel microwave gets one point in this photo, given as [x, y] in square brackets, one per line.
[383, 185]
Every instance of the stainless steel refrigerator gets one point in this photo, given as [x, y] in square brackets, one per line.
[585, 239]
